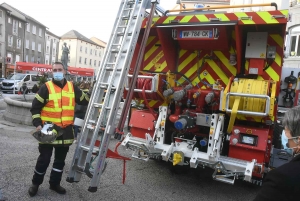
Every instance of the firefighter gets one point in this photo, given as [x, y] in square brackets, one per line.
[283, 183]
[55, 102]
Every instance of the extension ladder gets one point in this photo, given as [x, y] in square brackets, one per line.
[107, 92]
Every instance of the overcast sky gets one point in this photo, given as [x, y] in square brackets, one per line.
[88, 17]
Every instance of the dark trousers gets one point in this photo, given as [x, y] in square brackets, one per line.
[43, 162]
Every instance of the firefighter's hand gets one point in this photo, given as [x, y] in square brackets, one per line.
[39, 128]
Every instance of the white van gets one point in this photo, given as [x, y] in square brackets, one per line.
[17, 80]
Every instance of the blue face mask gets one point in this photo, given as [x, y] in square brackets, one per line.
[58, 76]
[284, 142]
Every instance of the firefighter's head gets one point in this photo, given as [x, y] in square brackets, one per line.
[291, 123]
[58, 71]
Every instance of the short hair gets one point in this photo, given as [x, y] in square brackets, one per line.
[57, 62]
[291, 121]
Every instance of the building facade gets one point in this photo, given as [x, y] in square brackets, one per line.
[83, 52]
[34, 49]
[51, 47]
[292, 42]
[13, 34]
[2, 41]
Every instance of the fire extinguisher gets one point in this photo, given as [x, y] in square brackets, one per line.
[288, 98]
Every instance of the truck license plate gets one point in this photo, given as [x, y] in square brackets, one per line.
[196, 34]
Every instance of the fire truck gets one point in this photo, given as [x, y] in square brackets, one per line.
[200, 89]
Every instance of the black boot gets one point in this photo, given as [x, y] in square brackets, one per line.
[33, 190]
[58, 189]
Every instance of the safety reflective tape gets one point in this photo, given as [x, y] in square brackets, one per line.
[60, 142]
[225, 61]
[218, 71]
[39, 172]
[272, 73]
[223, 17]
[224, 95]
[186, 18]
[57, 170]
[272, 105]
[278, 59]
[246, 21]
[202, 18]
[278, 39]
[36, 116]
[168, 19]
[39, 98]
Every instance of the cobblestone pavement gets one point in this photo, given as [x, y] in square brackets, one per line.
[152, 180]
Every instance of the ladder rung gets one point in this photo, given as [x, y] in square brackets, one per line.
[111, 69]
[87, 148]
[98, 105]
[122, 34]
[127, 17]
[122, 26]
[103, 83]
[128, 9]
[91, 127]
[110, 63]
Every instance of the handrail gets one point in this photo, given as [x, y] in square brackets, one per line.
[221, 7]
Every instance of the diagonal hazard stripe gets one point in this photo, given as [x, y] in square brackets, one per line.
[218, 71]
[278, 59]
[152, 49]
[278, 39]
[151, 63]
[167, 21]
[240, 15]
[189, 59]
[222, 16]
[273, 75]
[188, 74]
[207, 76]
[186, 19]
[225, 61]
[267, 17]
[202, 18]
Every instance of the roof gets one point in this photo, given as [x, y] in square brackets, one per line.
[99, 42]
[52, 34]
[20, 13]
[13, 11]
[73, 34]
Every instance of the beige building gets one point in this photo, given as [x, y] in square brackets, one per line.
[83, 52]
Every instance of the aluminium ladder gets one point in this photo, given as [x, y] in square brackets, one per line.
[107, 91]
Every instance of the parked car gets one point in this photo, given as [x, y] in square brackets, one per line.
[1, 79]
[17, 80]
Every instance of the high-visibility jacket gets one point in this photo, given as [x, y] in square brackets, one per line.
[60, 107]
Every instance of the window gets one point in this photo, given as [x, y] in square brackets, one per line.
[20, 25]
[33, 29]
[39, 47]
[27, 44]
[47, 61]
[1, 13]
[0, 49]
[32, 59]
[19, 43]
[54, 41]
[33, 45]
[90, 62]
[99, 53]
[18, 58]
[53, 50]
[95, 63]
[95, 52]
[27, 78]
[47, 49]
[80, 48]
[10, 40]
[91, 52]
[9, 20]
[28, 27]
[85, 60]
[26, 58]
[86, 50]
[15, 27]
[80, 60]
[295, 41]
[48, 37]
[40, 32]
[34, 78]
[99, 63]
[0, 29]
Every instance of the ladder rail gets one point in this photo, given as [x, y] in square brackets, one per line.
[108, 95]
[90, 108]
[110, 128]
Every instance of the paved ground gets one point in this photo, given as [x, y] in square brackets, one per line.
[150, 180]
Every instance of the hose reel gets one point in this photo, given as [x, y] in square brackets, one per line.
[250, 98]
